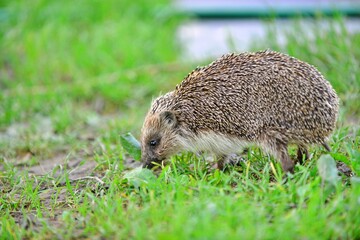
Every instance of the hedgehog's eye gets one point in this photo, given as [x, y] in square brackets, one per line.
[153, 143]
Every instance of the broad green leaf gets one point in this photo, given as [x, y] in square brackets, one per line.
[131, 145]
[327, 169]
[355, 180]
[140, 176]
[339, 156]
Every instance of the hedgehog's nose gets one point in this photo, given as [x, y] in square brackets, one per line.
[149, 164]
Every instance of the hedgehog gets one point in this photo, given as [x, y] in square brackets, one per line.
[264, 98]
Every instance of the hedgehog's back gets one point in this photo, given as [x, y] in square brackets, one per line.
[247, 94]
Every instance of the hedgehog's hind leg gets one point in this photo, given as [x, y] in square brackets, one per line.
[282, 153]
[279, 150]
[326, 146]
[302, 150]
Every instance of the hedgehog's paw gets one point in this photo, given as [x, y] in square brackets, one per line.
[227, 161]
[302, 154]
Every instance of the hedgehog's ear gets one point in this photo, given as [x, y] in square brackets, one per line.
[168, 118]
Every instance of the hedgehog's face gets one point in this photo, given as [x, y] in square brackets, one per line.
[158, 138]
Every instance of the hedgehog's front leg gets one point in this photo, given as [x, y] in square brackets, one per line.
[224, 161]
[220, 162]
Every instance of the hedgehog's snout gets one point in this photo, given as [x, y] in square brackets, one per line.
[148, 164]
[148, 159]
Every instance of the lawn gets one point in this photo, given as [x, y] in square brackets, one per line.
[75, 75]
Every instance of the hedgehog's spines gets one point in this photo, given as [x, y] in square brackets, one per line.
[255, 97]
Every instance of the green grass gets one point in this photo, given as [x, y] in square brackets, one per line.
[76, 75]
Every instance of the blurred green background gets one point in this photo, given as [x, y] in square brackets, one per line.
[63, 58]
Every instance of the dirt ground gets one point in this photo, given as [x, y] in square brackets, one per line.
[82, 175]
